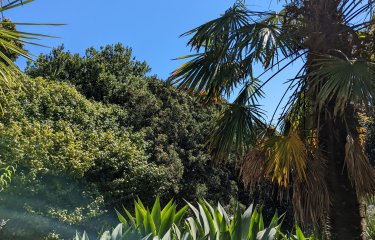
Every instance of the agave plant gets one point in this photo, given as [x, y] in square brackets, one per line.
[120, 232]
[205, 223]
[299, 235]
[216, 224]
[155, 224]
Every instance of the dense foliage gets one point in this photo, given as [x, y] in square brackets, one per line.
[76, 159]
[58, 140]
[174, 125]
[100, 75]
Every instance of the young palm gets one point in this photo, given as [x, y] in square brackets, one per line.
[315, 148]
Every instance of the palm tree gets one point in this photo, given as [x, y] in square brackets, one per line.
[315, 148]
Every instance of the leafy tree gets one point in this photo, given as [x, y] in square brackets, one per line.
[97, 74]
[315, 149]
[174, 124]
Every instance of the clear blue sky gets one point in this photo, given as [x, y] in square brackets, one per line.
[151, 28]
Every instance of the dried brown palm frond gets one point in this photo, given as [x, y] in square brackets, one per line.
[311, 197]
[253, 166]
[360, 171]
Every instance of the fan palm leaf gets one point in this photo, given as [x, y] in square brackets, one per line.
[359, 168]
[239, 124]
[232, 43]
[311, 199]
[343, 81]
[286, 154]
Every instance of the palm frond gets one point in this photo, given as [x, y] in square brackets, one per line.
[311, 197]
[264, 40]
[279, 157]
[254, 165]
[237, 127]
[357, 10]
[217, 31]
[8, 5]
[231, 45]
[11, 45]
[360, 171]
[286, 155]
[236, 130]
[343, 81]
[215, 72]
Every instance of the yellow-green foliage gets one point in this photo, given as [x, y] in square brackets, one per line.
[175, 125]
[71, 156]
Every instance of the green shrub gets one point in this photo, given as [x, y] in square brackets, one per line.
[71, 156]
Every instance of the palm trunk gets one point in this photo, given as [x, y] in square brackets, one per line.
[344, 216]
[345, 220]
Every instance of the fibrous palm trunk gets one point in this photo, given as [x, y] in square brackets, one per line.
[324, 23]
[345, 209]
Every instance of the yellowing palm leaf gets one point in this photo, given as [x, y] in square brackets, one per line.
[286, 156]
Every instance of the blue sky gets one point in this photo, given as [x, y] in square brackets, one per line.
[151, 28]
